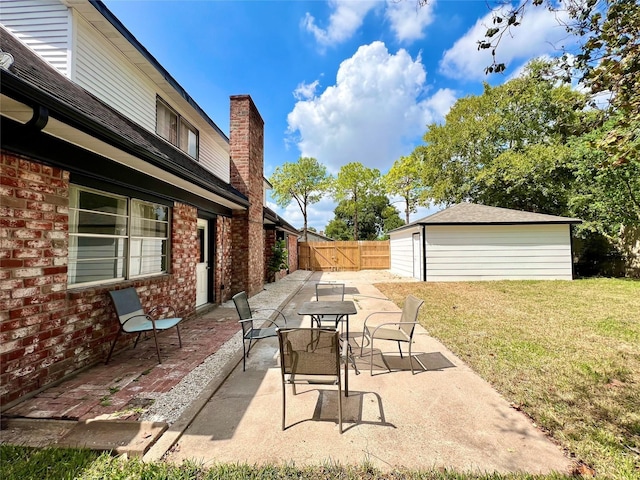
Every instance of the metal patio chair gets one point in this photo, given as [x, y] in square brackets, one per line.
[133, 318]
[250, 331]
[398, 331]
[329, 292]
[310, 356]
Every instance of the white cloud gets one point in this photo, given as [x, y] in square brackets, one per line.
[441, 102]
[408, 19]
[541, 32]
[373, 114]
[305, 91]
[344, 21]
[318, 214]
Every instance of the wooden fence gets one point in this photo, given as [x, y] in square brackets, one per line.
[344, 256]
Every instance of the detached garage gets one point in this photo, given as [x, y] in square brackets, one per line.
[468, 242]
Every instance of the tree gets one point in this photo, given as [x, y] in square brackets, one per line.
[339, 230]
[608, 61]
[376, 217]
[353, 182]
[404, 180]
[605, 197]
[506, 147]
[304, 181]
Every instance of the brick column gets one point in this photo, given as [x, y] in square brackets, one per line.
[247, 175]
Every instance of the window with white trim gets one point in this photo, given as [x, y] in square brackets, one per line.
[112, 237]
[175, 129]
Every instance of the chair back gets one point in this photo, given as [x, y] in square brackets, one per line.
[410, 314]
[241, 302]
[309, 351]
[242, 305]
[330, 292]
[127, 305]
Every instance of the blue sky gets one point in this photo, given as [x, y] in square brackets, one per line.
[341, 81]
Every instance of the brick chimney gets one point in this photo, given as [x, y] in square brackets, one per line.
[247, 175]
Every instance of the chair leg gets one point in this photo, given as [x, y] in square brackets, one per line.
[340, 405]
[113, 345]
[179, 339]
[284, 401]
[371, 359]
[410, 358]
[400, 349]
[244, 354]
[137, 338]
[155, 337]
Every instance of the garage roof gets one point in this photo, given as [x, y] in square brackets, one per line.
[474, 214]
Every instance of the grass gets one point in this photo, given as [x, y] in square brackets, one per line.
[24, 463]
[567, 354]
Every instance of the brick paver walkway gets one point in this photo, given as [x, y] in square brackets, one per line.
[133, 378]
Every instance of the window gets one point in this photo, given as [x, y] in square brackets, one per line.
[175, 129]
[114, 238]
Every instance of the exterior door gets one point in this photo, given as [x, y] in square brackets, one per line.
[417, 257]
[202, 267]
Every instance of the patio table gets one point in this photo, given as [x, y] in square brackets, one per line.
[341, 310]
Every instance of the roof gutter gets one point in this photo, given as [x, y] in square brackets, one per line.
[21, 91]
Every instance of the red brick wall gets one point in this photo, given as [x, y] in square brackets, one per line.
[223, 262]
[247, 175]
[292, 246]
[47, 331]
[269, 243]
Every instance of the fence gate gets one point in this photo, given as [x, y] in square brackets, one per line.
[344, 256]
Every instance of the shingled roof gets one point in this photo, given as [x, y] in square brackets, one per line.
[474, 214]
[32, 80]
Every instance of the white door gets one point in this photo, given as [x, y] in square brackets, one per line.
[202, 268]
[417, 257]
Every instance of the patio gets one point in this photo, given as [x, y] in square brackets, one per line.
[443, 417]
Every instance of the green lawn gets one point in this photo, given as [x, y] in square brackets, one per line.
[565, 353]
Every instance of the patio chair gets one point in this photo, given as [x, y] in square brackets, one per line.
[310, 356]
[133, 319]
[251, 332]
[329, 292]
[397, 331]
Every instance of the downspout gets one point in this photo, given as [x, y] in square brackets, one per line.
[39, 119]
[424, 253]
[573, 267]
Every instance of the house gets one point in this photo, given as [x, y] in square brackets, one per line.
[313, 236]
[112, 176]
[476, 242]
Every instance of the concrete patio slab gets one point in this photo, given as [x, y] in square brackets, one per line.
[444, 416]
[120, 436]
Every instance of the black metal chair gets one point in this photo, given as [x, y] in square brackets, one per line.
[329, 292]
[250, 331]
[310, 356]
[400, 332]
[133, 319]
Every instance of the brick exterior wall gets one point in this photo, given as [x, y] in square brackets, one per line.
[46, 331]
[247, 175]
[292, 246]
[269, 243]
[223, 261]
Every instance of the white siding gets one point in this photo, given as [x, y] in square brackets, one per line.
[98, 66]
[44, 25]
[213, 157]
[102, 70]
[497, 252]
[401, 250]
